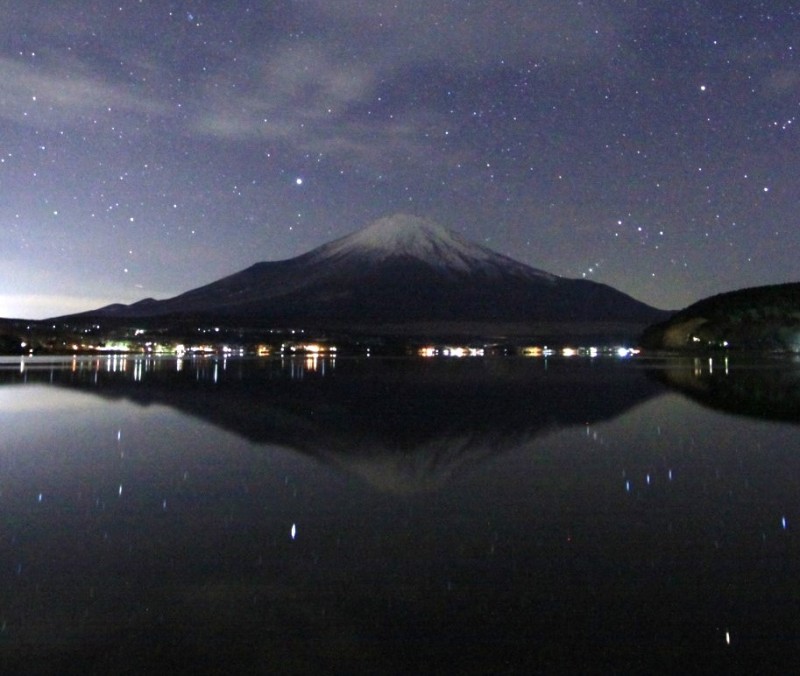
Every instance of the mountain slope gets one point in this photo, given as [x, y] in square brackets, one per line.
[756, 318]
[399, 269]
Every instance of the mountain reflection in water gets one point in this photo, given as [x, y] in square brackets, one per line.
[398, 516]
[400, 424]
[769, 389]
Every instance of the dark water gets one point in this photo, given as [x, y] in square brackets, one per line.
[399, 516]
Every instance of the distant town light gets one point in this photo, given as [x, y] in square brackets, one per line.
[457, 351]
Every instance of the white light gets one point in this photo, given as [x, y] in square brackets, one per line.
[294, 531]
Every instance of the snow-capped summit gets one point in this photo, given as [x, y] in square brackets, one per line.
[398, 270]
[406, 236]
[401, 232]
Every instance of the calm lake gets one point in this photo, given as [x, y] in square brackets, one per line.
[491, 515]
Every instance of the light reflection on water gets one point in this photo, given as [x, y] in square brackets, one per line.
[203, 366]
[396, 516]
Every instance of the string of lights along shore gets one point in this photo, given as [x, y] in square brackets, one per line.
[147, 148]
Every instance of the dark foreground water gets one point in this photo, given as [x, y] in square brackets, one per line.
[399, 516]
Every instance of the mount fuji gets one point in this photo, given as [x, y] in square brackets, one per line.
[400, 270]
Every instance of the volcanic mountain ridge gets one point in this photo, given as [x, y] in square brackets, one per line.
[401, 269]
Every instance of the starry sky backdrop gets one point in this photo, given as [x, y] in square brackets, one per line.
[151, 146]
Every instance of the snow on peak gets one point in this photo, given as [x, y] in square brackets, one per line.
[399, 231]
[408, 236]
[404, 235]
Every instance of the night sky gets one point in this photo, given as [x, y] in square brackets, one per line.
[149, 147]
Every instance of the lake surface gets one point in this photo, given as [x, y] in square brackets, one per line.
[399, 515]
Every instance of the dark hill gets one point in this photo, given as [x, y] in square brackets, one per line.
[758, 318]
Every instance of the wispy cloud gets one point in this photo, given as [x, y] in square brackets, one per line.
[292, 93]
[319, 92]
[60, 95]
[314, 91]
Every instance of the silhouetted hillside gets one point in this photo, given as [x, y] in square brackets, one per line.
[757, 318]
